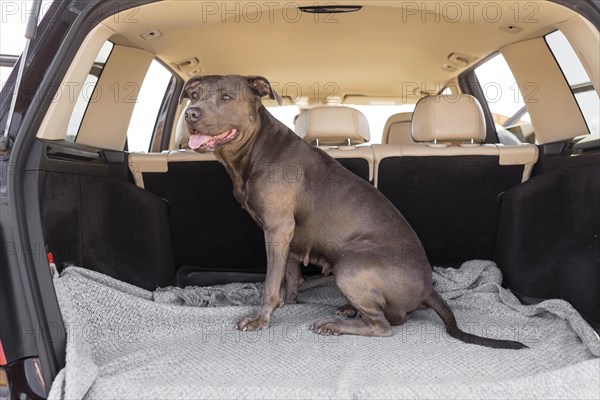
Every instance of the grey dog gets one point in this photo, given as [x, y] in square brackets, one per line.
[328, 216]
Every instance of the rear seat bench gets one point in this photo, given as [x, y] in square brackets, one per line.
[447, 185]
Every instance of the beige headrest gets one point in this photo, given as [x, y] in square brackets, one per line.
[333, 125]
[397, 129]
[448, 118]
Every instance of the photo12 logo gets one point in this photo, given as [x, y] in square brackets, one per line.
[469, 11]
[18, 12]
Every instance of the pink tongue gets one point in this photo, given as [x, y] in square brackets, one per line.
[198, 140]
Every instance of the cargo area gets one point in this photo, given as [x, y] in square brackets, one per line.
[127, 342]
[143, 317]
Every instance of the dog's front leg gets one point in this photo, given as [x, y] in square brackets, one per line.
[277, 240]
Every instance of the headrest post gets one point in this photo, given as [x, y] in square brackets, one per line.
[316, 142]
[349, 142]
[434, 141]
[472, 141]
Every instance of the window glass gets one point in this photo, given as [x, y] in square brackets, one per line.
[147, 107]
[377, 116]
[86, 95]
[505, 101]
[14, 17]
[4, 74]
[286, 114]
[578, 79]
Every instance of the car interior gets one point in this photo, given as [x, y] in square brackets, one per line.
[485, 163]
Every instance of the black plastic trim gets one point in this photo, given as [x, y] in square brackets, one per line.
[469, 84]
[188, 275]
[329, 9]
[166, 114]
[559, 155]
[70, 153]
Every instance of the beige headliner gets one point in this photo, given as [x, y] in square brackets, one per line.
[383, 50]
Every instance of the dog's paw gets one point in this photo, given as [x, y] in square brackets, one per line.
[291, 298]
[255, 323]
[347, 310]
[327, 327]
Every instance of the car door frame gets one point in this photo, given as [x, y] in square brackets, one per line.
[60, 34]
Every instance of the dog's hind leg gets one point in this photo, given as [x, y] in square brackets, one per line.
[374, 324]
[293, 279]
[347, 310]
[366, 300]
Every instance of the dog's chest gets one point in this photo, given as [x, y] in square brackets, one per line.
[254, 215]
[241, 195]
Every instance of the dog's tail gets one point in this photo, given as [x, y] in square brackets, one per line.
[439, 305]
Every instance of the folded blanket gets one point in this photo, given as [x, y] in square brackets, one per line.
[124, 342]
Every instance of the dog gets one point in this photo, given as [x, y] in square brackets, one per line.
[378, 262]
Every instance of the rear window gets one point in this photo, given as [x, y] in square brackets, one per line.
[377, 116]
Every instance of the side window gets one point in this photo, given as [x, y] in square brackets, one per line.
[86, 95]
[143, 120]
[6, 67]
[505, 101]
[578, 79]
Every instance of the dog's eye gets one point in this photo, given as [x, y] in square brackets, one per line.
[226, 97]
[194, 95]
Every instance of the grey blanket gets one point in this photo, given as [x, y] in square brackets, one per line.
[126, 343]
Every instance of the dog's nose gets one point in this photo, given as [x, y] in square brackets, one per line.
[192, 114]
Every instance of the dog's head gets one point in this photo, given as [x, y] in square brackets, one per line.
[223, 108]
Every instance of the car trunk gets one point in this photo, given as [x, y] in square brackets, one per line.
[141, 316]
[133, 262]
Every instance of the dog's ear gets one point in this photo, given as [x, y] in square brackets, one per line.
[261, 87]
[190, 85]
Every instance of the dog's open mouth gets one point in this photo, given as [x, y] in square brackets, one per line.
[205, 142]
